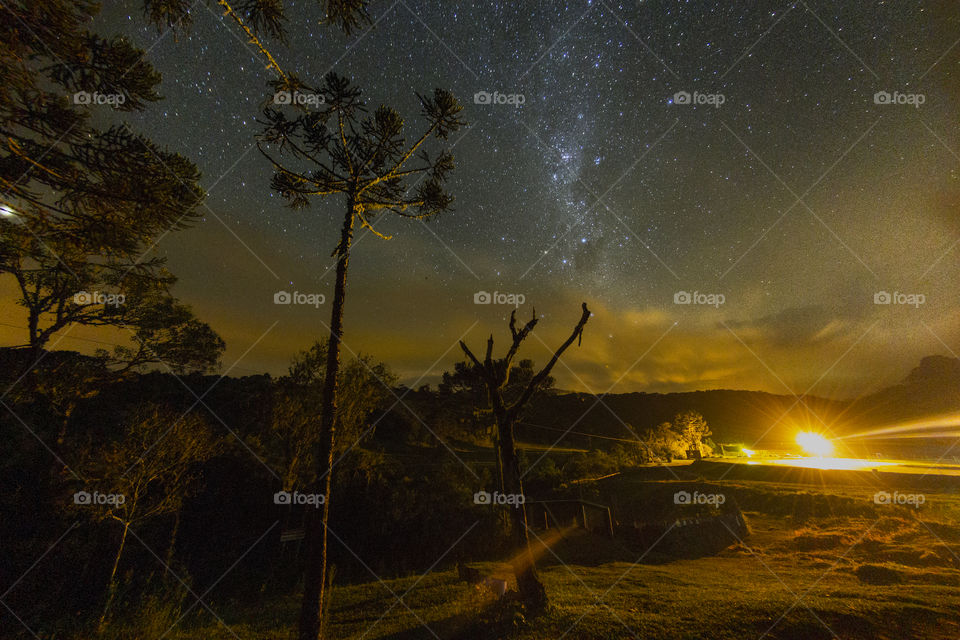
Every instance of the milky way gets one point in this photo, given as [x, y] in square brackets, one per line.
[798, 197]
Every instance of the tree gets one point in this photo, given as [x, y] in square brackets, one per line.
[468, 383]
[265, 16]
[692, 430]
[82, 206]
[663, 443]
[142, 480]
[366, 160]
[496, 377]
[364, 385]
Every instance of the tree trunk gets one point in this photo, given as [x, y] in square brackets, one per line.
[171, 547]
[504, 518]
[111, 583]
[315, 570]
[524, 567]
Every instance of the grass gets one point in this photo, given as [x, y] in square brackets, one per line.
[821, 561]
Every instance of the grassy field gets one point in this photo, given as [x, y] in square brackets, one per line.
[820, 561]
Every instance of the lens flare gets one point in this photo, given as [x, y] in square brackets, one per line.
[814, 444]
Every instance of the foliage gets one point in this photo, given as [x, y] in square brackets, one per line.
[154, 464]
[346, 151]
[264, 16]
[82, 206]
[295, 424]
[672, 440]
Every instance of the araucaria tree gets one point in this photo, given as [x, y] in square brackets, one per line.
[496, 377]
[81, 206]
[339, 149]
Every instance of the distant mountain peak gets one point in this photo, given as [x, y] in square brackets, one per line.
[935, 370]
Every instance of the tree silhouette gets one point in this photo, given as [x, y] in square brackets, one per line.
[365, 159]
[152, 480]
[496, 377]
[80, 206]
[293, 436]
[264, 16]
[463, 392]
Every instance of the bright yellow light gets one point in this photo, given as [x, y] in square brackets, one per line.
[814, 443]
[747, 452]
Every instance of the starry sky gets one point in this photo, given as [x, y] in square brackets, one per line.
[797, 199]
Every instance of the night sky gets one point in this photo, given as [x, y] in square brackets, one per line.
[797, 199]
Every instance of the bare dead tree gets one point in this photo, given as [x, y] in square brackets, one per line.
[496, 374]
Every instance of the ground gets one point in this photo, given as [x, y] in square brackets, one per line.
[819, 562]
